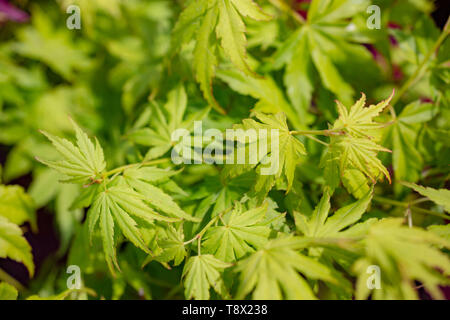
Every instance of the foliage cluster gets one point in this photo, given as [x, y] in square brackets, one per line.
[362, 178]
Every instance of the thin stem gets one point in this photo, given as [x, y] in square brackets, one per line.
[159, 282]
[420, 200]
[199, 245]
[221, 220]
[407, 204]
[128, 166]
[332, 132]
[212, 221]
[280, 4]
[316, 140]
[4, 276]
[418, 73]
[392, 111]
[390, 201]
[190, 241]
[430, 212]
[305, 242]
[174, 291]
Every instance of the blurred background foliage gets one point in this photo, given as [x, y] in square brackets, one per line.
[108, 75]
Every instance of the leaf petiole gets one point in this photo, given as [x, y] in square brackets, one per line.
[9, 279]
[328, 133]
[280, 4]
[205, 228]
[128, 166]
[409, 205]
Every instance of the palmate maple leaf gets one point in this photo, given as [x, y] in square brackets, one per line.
[402, 136]
[240, 233]
[273, 272]
[17, 206]
[320, 224]
[124, 207]
[287, 154]
[201, 18]
[82, 163]
[404, 254]
[438, 196]
[13, 244]
[202, 272]
[310, 52]
[359, 120]
[344, 224]
[157, 135]
[126, 203]
[356, 147]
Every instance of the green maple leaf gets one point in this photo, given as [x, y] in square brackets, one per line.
[54, 47]
[288, 153]
[172, 243]
[202, 272]
[438, 196]
[139, 179]
[353, 146]
[273, 272]
[394, 248]
[201, 18]
[205, 60]
[231, 29]
[401, 136]
[17, 206]
[320, 224]
[358, 121]
[413, 45]
[13, 244]
[218, 194]
[309, 52]
[270, 97]
[167, 244]
[355, 182]
[7, 291]
[360, 154]
[82, 163]
[343, 224]
[123, 206]
[240, 234]
[163, 121]
[441, 230]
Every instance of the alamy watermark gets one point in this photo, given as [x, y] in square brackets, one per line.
[374, 21]
[74, 280]
[374, 280]
[236, 146]
[74, 20]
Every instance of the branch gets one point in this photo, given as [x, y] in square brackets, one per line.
[146, 163]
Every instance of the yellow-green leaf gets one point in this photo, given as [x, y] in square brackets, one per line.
[13, 244]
